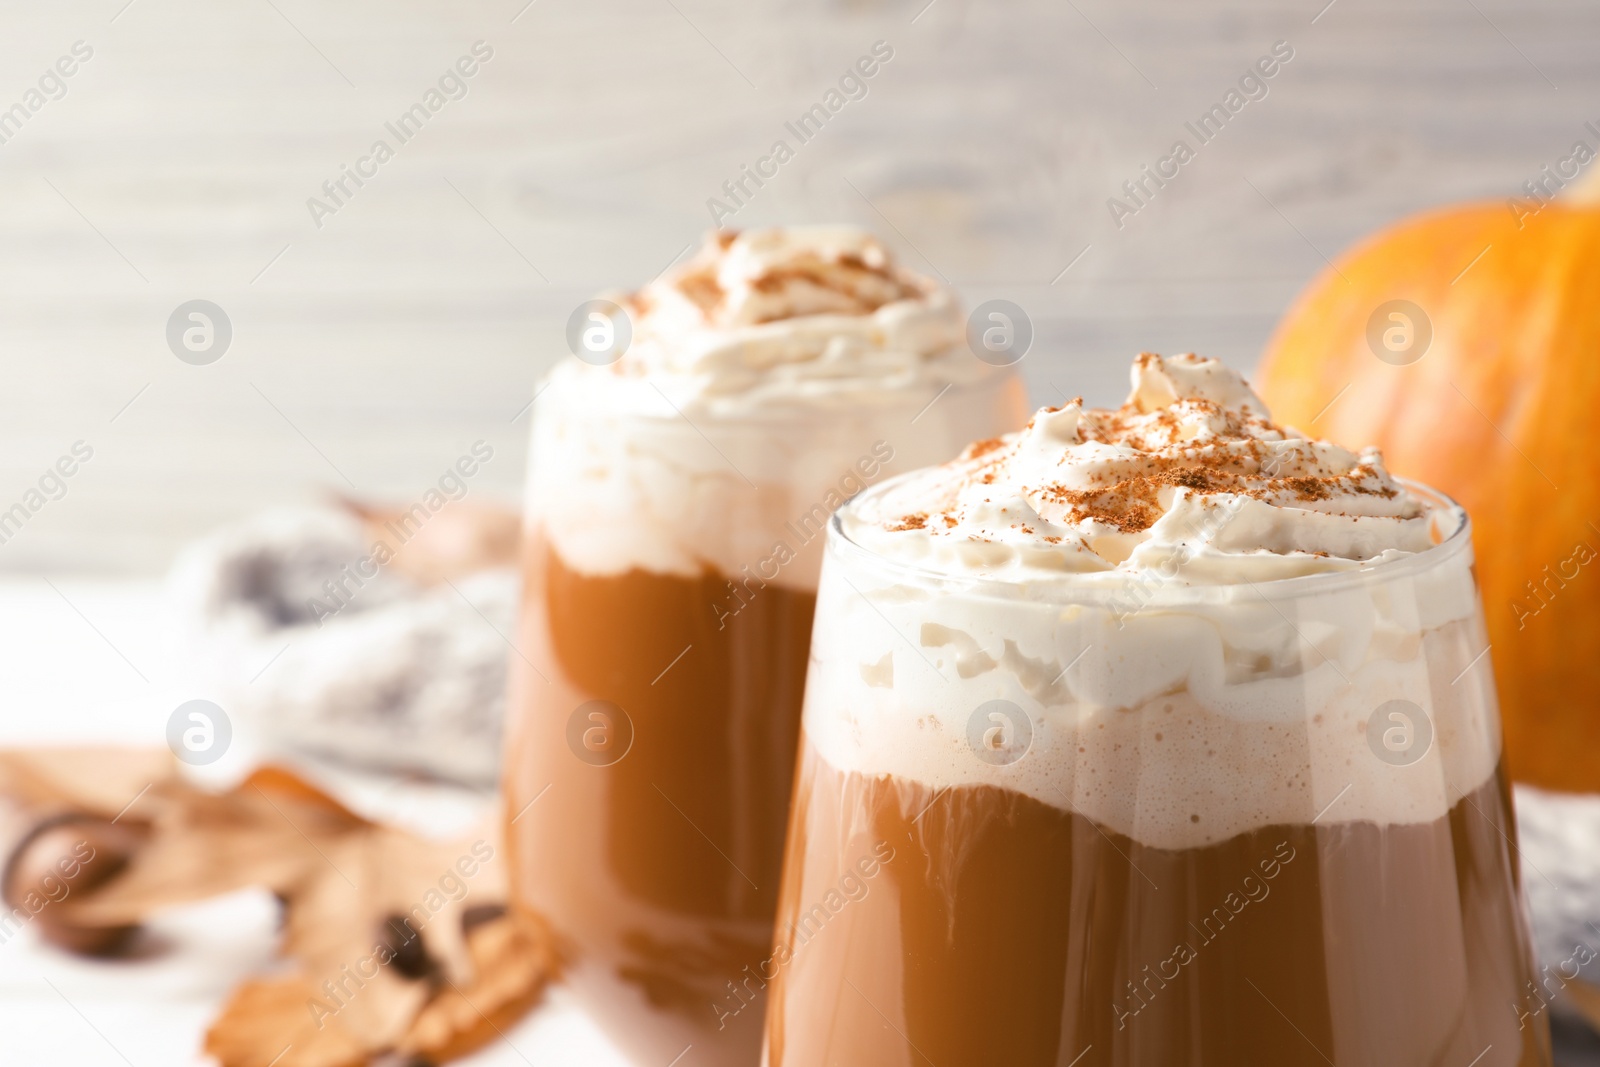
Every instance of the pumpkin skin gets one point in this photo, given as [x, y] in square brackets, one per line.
[1502, 411]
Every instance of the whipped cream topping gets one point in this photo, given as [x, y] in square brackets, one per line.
[786, 317]
[1190, 479]
[770, 377]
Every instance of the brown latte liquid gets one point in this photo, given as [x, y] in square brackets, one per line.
[1007, 932]
[660, 869]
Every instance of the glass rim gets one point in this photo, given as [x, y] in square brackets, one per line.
[661, 406]
[1157, 591]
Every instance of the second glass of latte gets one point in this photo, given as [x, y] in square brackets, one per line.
[679, 496]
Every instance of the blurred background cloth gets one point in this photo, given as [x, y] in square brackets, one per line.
[371, 351]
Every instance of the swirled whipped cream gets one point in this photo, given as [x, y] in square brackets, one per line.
[769, 378]
[1190, 479]
[788, 317]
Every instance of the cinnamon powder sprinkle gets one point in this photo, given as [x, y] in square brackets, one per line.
[860, 287]
[703, 289]
[982, 448]
[1210, 451]
[1132, 505]
[1308, 488]
[915, 521]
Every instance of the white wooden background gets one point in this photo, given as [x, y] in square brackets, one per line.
[372, 352]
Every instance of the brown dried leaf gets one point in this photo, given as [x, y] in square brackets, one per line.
[1584, 997]
[265, 832]
[265, 1024]
[386, 894]
[95, 781]
[377, 920]
[460, 538]
[514, 957]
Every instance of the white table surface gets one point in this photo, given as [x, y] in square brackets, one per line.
[92, 661]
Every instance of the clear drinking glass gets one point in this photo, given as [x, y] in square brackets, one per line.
[1152, 825]
[654, 716]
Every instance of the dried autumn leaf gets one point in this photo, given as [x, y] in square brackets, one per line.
[397, 941]
[265, 833]
[513, 958]
[1585, 997]
[94, 781]
[460, 538]
[265, 1024]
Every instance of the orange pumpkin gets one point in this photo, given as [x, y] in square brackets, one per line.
[1466, 345]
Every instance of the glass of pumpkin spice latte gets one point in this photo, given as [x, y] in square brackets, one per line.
[679, 498]
[1154, 737]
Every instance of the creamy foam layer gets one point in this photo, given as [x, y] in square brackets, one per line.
[1189, 479]
[1180, 725]
[770, 377]
[1157, 678]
